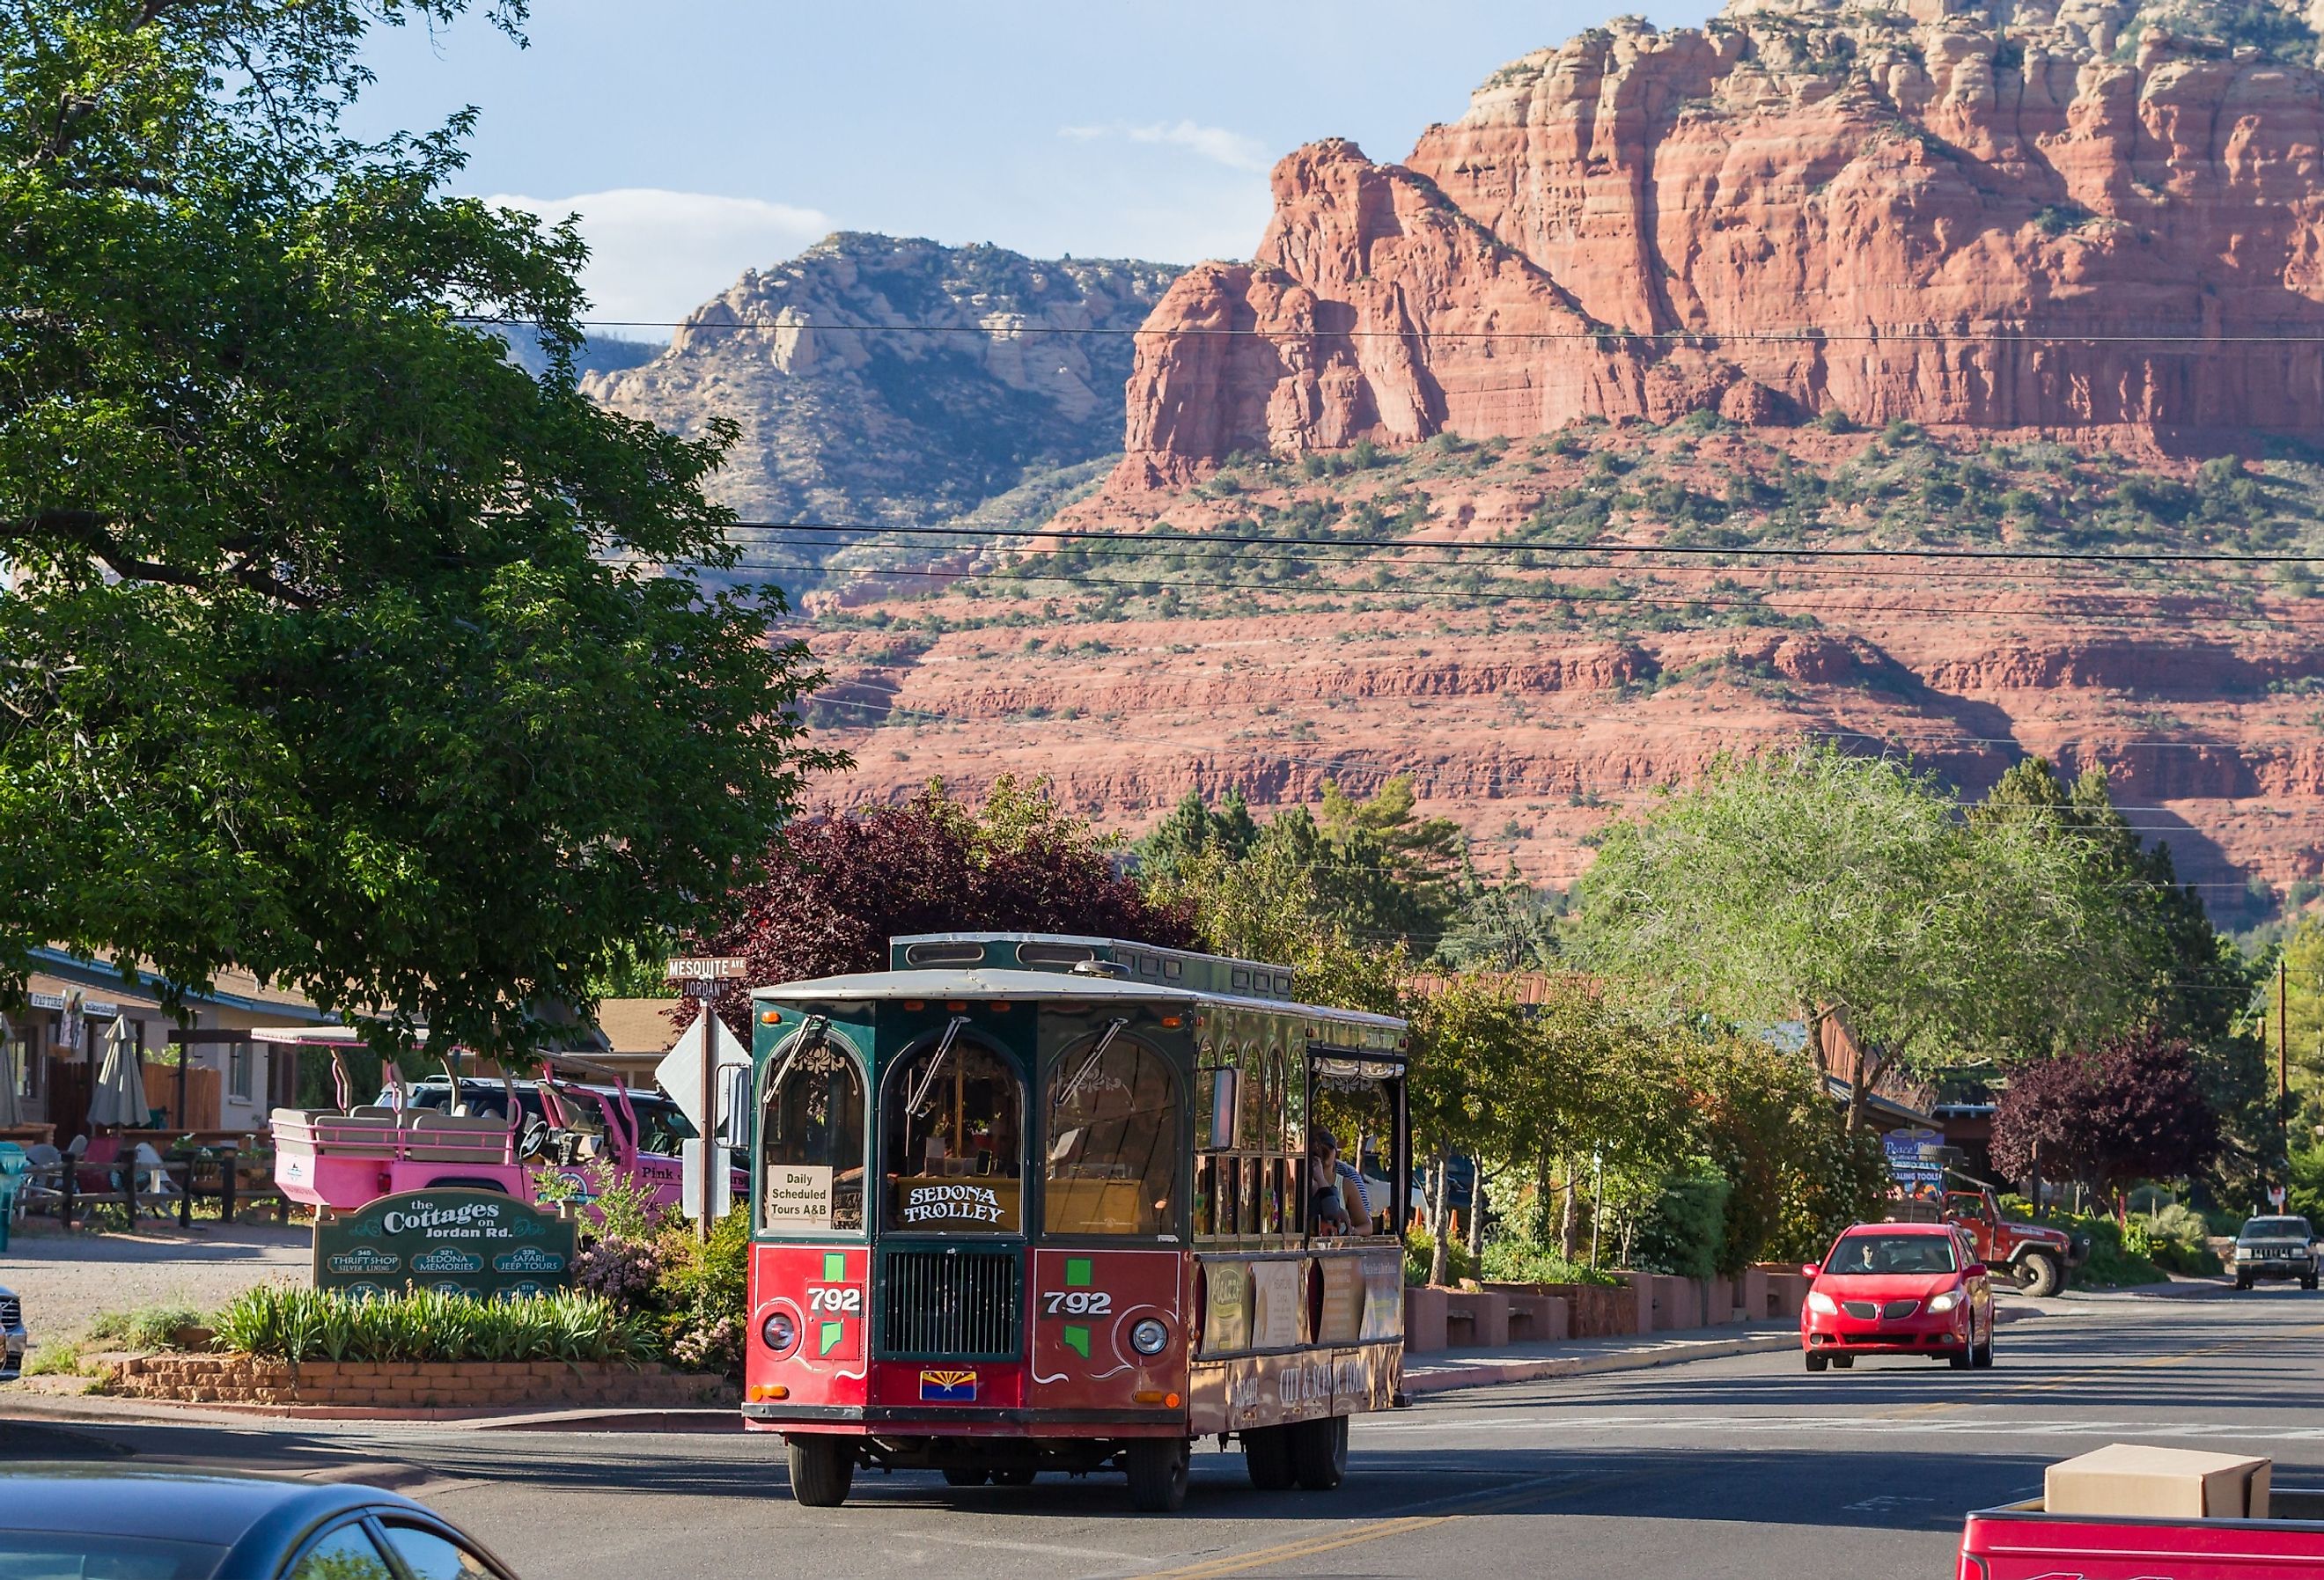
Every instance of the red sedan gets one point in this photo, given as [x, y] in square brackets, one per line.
[1898, 1289]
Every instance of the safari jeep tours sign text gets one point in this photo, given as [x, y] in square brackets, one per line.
[473, 1242]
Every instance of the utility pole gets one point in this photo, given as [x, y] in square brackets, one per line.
[2283, 1067]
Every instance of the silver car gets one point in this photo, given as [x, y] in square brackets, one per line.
[13, 1342]
[2275, 1248]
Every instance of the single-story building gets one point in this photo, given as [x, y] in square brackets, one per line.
[59, 1043]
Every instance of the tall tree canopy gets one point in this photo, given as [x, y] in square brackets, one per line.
[2130, 1108]
[335, 646]
[2177, 973]
[1809, 883]
[839, 885]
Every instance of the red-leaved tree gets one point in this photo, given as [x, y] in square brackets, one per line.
[2131, 1108]
[840, 884]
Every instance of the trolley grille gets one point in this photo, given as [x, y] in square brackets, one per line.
[948, 1304]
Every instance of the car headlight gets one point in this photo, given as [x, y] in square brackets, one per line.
[779, 1332]
[1149, 1337]
[1941, 1304]
[1820, 1301]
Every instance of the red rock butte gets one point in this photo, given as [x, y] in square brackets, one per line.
[2021, 220]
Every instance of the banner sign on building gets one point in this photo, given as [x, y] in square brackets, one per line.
[1914, 1158]
[474, 1242]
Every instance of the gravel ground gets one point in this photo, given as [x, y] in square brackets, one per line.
[65, 1280]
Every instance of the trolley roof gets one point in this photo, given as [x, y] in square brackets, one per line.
[1044, 986]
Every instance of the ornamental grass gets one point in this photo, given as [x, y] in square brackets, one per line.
[283, 1322]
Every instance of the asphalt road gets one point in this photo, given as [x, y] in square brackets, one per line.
[1742, 1468]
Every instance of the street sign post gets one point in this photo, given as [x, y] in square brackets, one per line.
[474, 1242]
[703, 976]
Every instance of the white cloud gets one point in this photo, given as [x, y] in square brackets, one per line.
[1216, 143]
[655, 255]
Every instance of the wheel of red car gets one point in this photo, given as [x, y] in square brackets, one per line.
[1816, 1362]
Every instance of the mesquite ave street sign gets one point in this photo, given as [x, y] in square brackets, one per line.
[473, 1242]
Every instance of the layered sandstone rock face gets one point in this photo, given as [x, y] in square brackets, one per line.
[2043, 217]
[891, 380]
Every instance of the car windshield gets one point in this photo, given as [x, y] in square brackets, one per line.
[43, 1554]
[2275, 1229]
[1874, 1254]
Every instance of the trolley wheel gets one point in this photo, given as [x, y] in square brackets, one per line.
[1817, 1363]
[1019, 1477]
[1267, 1456]
[959, 1477]
[822, 1470]
[1157, 1470]
[1319, 1453]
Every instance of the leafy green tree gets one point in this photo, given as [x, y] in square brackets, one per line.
[335, 646]
[1191, 828]
[1271, 904]
[2176, 973]
[1808, 884]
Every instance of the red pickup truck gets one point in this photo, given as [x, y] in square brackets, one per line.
[2020, 1542]
[2035, 1257]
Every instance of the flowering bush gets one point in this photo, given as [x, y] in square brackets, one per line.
[624, 1272]
[709, 1345]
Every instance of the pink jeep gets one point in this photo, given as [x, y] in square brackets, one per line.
[431, 1136]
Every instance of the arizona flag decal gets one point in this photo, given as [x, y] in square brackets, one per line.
[948, 1388]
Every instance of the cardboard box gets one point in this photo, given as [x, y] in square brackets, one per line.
[2159, 1484]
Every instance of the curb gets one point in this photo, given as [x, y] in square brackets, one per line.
[1681, 1351]
[1485, 1376]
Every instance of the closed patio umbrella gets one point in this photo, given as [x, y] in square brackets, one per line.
[11, 1111]
[119, 1098]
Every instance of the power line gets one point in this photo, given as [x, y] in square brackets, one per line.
[1899, 738]
[1491, 596]
[1178, 540]
[2303, 335]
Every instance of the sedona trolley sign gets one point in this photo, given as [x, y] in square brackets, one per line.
[474, 1242]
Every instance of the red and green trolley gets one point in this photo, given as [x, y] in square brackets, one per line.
[1029, 1203]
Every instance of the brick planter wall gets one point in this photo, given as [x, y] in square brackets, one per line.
[1594, 1311]
[236, 1379]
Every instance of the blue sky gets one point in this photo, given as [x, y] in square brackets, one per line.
[700, 137]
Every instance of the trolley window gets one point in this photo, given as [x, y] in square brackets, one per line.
[811, 1136]
[953, 1133]
[1110, 1151]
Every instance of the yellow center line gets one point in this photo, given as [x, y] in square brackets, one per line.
[1539, 1492]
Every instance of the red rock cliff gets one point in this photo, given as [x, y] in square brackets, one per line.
[2031, 223]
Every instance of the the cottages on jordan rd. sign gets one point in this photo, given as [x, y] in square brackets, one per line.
[473, 1242]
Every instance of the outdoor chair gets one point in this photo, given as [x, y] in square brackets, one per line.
[43, 1184]
[157, 1192]
[97, 1159]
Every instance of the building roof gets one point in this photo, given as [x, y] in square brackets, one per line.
[637, 1028]
[57, 969]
